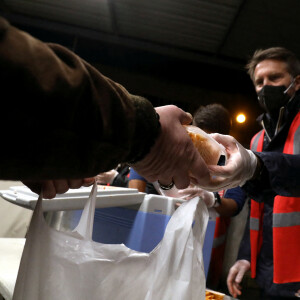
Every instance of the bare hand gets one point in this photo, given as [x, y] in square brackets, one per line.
[59, 186]
[235, 276]
[173, 157]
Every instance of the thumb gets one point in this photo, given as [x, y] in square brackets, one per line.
[185, 118]
[208, 198]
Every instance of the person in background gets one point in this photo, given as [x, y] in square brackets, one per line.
[216, 118]
[136, 181]
[270, 247]
[115, 177]
[77, 123]
[213, 118]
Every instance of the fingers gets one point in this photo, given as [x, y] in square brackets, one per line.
[100, 179]
[190, 190]
[173, 157]
[236, 284]
[88, 181]
[237, 290]
[234, 288]
[77, 183]
[199, 170]
[235, 276]
[226, 140]
[46, 186]
[181, 181]
[193, 165]
[74, 183]
[186, 118]
[60, 186]
[230, 280]
[223, 171]
[187, 194]
[51, 188]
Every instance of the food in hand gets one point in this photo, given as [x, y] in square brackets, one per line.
[209, 149]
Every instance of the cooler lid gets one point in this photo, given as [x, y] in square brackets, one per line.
[74, 199]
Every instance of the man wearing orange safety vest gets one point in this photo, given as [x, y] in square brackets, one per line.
[271, 243]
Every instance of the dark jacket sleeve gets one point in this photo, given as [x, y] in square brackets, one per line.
[239, 196]
[60, 117]
[122, 179]
[245, 248]
[280, 175]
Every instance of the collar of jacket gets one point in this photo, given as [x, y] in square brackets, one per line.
[271, 125]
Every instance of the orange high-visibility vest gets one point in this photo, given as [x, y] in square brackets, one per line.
[286, 220]
[218, 249]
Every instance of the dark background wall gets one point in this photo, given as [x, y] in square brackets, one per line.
[166, 79]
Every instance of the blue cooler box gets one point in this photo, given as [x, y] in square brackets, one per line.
[141, 227]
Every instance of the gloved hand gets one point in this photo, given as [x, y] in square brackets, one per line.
[107, 177]
[173, 156]
[59, 186]
[240, 166]
[235, 276]
[191, 192]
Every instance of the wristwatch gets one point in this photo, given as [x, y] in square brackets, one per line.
[218, 201]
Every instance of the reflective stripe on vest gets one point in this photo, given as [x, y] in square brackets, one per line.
[256, 212]
[286, 220]
[257, 141]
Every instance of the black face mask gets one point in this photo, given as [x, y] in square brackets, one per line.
[272, 98]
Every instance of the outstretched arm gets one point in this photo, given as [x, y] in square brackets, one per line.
[73, 122]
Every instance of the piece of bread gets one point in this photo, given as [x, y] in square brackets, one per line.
[207, 147]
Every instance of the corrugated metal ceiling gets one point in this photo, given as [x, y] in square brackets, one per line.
[168, 42]
[215, 31]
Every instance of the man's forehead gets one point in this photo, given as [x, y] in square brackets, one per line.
[271, 66]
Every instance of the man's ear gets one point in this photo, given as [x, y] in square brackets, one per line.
[297, 82]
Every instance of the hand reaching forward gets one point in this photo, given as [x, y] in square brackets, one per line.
[191, 192]
[173, 157]
[240, 165]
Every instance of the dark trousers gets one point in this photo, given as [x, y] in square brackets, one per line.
[266, 297]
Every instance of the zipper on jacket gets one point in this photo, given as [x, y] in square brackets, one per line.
[278, 124]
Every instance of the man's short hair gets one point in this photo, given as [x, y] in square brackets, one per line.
[213, 118]
[277, 53]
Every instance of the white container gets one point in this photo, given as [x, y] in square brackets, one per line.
[136, 219]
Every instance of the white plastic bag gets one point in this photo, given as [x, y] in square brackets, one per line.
[69, 266]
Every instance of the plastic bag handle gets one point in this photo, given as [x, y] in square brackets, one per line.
[86, 222]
